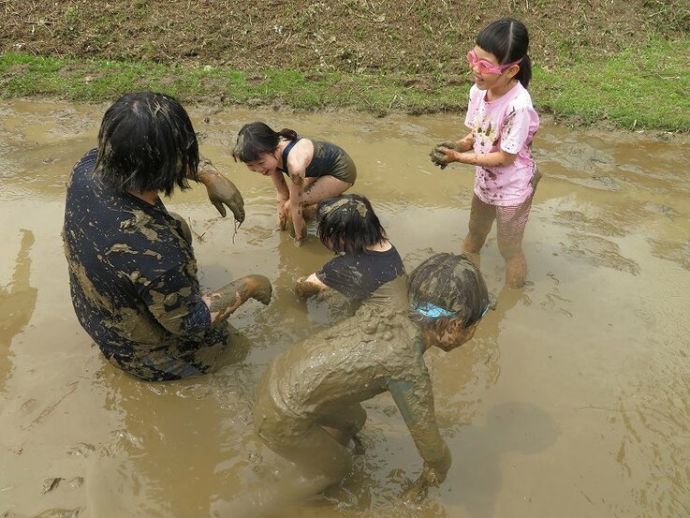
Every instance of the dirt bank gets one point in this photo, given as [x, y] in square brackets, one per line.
[406, 36]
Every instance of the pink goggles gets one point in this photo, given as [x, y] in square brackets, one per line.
[487, 67]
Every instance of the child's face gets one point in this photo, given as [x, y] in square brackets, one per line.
[264, 165]
[487, 77]
[449, 334]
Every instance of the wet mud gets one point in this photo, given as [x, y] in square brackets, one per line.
[572, 399]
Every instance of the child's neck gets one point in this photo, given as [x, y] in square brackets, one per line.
[381, 246]
[499, 91]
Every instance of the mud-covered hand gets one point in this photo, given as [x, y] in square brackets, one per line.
[222, 191]
[432, 475]
[441, 155]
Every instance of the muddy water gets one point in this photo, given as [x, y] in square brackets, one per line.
[573, 399]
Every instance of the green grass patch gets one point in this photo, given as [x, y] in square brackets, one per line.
[645, 87]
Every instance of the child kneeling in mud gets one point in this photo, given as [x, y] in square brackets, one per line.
[348, 226]
[309, 402]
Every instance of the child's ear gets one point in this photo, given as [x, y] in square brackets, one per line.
[451, 325]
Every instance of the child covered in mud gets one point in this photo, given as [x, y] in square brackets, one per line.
[317, 170]
[502, 125]
[366, 260]
[309, 402]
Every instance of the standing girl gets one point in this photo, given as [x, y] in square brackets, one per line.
[502, 123]
[317, 169]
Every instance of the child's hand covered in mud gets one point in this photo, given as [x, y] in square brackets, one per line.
[307, 286]
[432, 475]
[440, 157]
[221, 191]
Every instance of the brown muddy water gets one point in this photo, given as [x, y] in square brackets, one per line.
[572, 400]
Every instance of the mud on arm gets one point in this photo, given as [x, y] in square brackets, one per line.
[415, 401]
[282, 195]
[221, 191]
[224, 302]
[296, 208]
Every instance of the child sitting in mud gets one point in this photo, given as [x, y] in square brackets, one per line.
[317, 169]
[309, 402]
[366, 260]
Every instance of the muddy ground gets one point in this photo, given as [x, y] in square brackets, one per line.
[572, 400]
[408, 36]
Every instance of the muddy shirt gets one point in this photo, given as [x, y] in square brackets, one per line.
[358, 276]
[328, 159]
[133, 280]
[507, 124]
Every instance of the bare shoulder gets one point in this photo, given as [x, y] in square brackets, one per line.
[301, 155]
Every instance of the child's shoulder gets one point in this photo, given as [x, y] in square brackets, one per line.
[521, 99]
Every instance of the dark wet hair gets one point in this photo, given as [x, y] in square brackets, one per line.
[508, 39]
[348, 223]
[147, 143]
[451, 282]
[257, 138]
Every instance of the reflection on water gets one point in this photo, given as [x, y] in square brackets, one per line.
[17, 303]
[571, 400]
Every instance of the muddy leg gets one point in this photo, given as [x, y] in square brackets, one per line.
[320, 461]
[511, 229]
[482, 217]
[323, 187]
[310, 212]
[345, 423]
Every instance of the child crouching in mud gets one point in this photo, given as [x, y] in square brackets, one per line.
[309, 402]
[365, 261]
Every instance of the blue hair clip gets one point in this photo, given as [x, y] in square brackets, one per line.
[430, 310]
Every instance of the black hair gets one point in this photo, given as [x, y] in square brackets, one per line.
[452, 282]
[508, 40]
[257, 138]
[348, 223]
[147, 143]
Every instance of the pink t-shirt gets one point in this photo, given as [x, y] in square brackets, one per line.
[509, 124]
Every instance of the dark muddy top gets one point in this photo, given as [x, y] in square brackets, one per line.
[133, 280]
[358, 276]
[328, 159]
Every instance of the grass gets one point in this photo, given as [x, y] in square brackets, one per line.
[645, 87]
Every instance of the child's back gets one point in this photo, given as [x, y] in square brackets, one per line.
[347, 363]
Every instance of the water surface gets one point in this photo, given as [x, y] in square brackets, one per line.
[573, 399]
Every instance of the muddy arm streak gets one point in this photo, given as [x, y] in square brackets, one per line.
[296, 208]
[281, 186]
[224, 302]
[416, 403]
[497, 158]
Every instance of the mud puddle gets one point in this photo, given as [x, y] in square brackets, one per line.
[573, 399]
